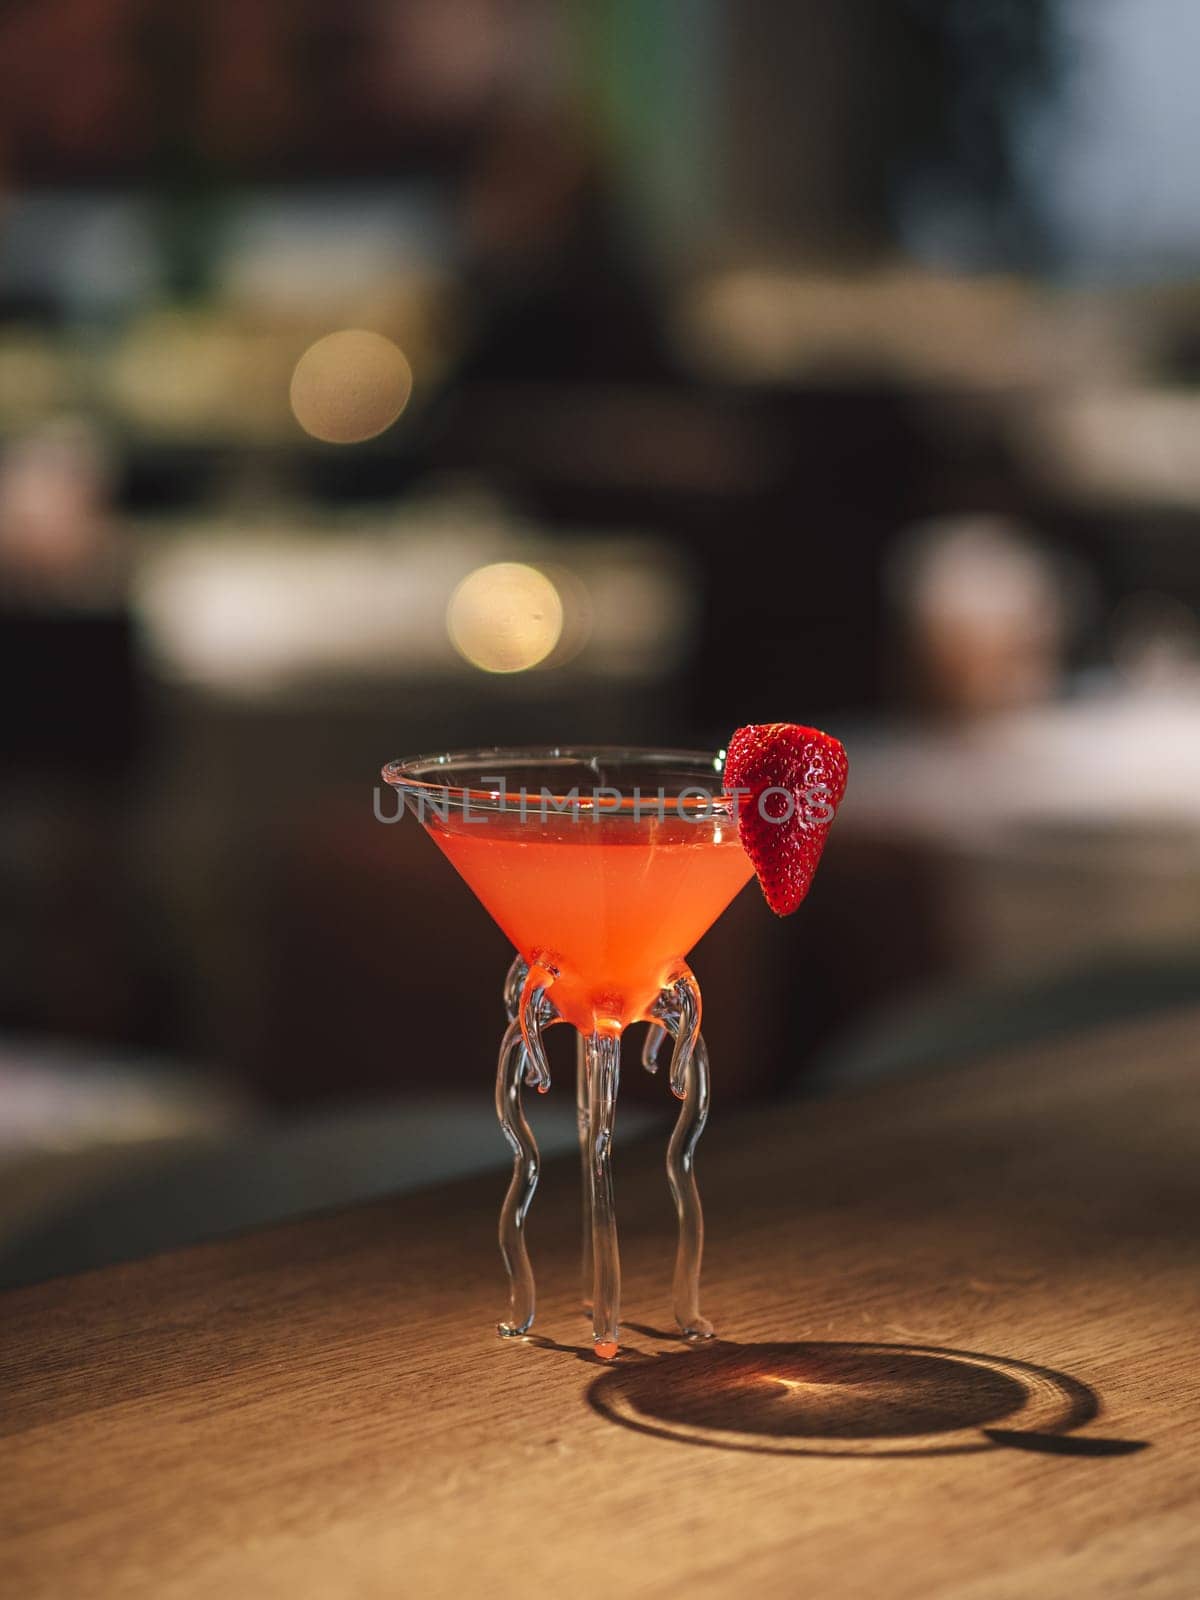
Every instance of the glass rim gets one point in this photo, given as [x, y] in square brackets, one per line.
[429, 775]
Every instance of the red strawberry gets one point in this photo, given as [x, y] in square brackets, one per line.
[792, 781]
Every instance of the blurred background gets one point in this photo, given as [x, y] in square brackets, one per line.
[831, 363]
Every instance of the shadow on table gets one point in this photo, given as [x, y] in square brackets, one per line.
[850, 1399]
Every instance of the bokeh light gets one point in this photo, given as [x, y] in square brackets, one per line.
[350, 386]
[506, 617]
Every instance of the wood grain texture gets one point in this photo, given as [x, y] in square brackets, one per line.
[322, 1409]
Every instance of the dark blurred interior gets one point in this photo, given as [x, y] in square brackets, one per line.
[832, 363]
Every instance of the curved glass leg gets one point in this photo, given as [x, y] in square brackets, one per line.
[585, 1161]
[509, 1076]
[602, 1055]
[679, 1009]
[522, 1060]
[681, 1175]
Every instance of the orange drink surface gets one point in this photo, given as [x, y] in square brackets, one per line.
[613, 905]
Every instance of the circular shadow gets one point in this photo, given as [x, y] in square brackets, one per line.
[829, 1398]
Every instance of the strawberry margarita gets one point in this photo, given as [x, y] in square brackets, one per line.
[603, 899]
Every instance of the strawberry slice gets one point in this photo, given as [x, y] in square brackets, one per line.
[791, 782]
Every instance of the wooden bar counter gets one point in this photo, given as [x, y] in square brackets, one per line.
[957, 1356]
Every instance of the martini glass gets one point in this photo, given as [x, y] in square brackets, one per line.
[603, 867]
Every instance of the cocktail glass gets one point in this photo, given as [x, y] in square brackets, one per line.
[603, 867]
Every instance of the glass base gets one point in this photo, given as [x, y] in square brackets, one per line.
[523, 1062]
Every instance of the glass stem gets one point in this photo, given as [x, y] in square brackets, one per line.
[602, 1053]
[681, 1175]
[509, 1074]
[585, 1164]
